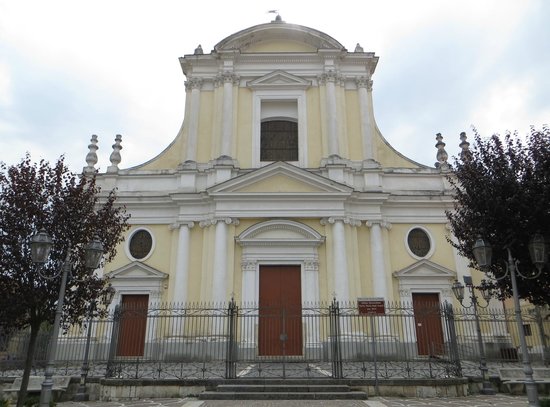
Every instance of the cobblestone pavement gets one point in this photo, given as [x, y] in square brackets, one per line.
[499, 400]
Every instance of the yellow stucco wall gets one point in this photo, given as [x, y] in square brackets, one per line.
[243, 135]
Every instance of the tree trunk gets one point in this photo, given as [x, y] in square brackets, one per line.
[35, 328]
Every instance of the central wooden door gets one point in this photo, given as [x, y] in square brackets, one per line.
[133, 325]
[280, 313]
[427, 318]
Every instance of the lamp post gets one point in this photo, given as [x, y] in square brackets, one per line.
[458, 291]
[106, 299]
[538, 252]
[41, 245]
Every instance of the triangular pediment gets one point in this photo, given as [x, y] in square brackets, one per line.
[425, 269]
[280, 80]
[137, 270]
[280, 178]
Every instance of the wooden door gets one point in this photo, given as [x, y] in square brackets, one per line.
[133, 325]
[427, 318]
[280, 313]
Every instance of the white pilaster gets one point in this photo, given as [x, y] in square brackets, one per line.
[329, 80]
[227, 112]
[364, 88]
[340, 262]
[220, 269]
[378, 265]
[193, 130]
[182, 264]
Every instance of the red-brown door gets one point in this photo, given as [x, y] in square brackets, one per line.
[427, 318]
[133, 324]
[280, 322]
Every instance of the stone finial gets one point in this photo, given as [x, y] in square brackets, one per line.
[465, 154]
[115, 157]
[359, 48]
[91, 157]
[442, 155]
[198, 50]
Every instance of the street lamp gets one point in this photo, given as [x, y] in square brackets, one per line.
[41, 245]
[106, 299]
[484, 289]
[539, 256]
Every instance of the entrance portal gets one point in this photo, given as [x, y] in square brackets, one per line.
[280, 311]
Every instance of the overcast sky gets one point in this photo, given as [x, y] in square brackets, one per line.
[70, 69]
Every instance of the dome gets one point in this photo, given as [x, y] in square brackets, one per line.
[278, 30]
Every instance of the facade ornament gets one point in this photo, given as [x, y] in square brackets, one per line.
[352, 222]
[91, 157]
[364, 82]
[465, 154]
[198, 50]
[359, 48]
[193, 83]
[441, 154]
[115, 157]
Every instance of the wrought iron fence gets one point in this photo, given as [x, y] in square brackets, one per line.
[202, 341]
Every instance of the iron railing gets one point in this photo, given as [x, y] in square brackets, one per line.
[202, 341]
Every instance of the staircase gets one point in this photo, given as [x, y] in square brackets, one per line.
[273, 389]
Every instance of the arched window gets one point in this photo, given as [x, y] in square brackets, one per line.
[279, 140]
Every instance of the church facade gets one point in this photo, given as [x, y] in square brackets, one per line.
[280, 188]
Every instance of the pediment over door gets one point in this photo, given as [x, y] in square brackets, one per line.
[425, 276]
[137, 278]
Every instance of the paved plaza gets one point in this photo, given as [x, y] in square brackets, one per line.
[499, 400]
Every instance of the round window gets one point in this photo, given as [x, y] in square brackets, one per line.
[419, 242]
[141, 244]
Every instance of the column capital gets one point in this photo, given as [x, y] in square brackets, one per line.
[176, 225]
[249, 265]
[212, 221]
[227, 77]
[363, 82]
[329, 76]
[193, 83]
[382, 223]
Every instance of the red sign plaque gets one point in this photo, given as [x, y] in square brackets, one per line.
[371, 306]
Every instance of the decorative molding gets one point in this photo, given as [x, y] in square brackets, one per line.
[344, 219]
[227, 77]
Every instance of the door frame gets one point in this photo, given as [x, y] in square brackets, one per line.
[434, 325]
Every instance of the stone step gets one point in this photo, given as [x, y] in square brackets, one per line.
[265, 395]
[283, 387]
